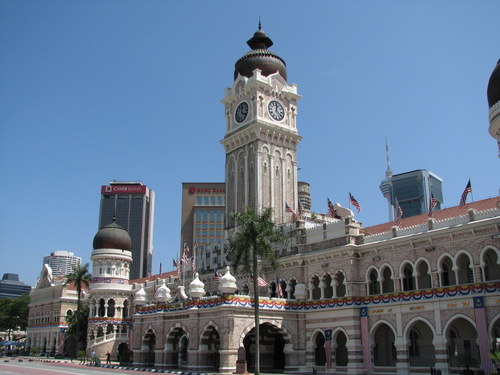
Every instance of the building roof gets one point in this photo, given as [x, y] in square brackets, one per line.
[260, 57]
[112, 236]
[444, 213]
[162, 275]
[494, 86]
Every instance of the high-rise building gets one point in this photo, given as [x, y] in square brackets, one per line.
[412, 191]
[62, 262]
[203, 221]
[132, 203]
[11, 287]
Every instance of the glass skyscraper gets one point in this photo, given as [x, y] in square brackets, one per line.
[132, 203]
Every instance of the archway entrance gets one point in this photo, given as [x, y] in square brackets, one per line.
[209, 349]
[272, 343]
[149, 343]
[319, 349]
[124, 354]
[463, 350]
[384, 351]
[177, 346]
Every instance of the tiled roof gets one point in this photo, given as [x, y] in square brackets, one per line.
[162, 275]
[445, 213]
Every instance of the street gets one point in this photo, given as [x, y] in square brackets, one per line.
[13, 366]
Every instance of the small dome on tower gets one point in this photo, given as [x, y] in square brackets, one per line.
[196, 287]
[227, 284]
[162, 293]
[141, 297]
[260, 57]
[112, 236]
[494, 86]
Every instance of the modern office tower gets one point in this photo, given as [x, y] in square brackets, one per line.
[61, 262]
[202, 222]
[412, 191]
[494, 104]
[11, 287]
[132, 203]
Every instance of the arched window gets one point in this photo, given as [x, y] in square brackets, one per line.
[340, 287]
[341, 354]
[465, 273]
[373, 284]
[111, 308]
[408, 279]
[125, 309]
[491, 266]
[447, 274]
[101, 309]
[424, 278]
[316, 291]
[387, 281]
[327, 280]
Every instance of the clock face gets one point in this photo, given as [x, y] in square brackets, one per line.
[241, 112]
[276, 110]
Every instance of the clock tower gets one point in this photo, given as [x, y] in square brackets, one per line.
[261, 136]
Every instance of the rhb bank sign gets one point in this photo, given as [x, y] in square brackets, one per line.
[192, 190]
[123, 189]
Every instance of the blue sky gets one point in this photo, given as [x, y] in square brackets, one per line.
[96, 90]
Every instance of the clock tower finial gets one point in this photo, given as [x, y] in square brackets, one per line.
[260, 26]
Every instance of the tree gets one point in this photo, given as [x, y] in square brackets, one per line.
[252, 242]
[80, 277]
[14, 314]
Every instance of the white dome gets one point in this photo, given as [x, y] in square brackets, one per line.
[227, 284]
[196, 287]
[162, 293]
[141, 297]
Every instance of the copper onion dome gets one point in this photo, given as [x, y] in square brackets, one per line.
[112, 236]
[494, 86]
[260, 58]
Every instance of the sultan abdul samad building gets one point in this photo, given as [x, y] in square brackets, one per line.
[348, 299]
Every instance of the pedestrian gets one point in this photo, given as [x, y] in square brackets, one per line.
[108, 358]
[93, 358]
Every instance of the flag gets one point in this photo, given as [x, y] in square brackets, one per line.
[301, 209]
[278, 288]
[185, 253]
[399, 214]
[290, 209]
[468, 189]
[328, 348]
[354, 202]
[331, 209]
[432, 203]
[260, 281]
[193, 263]
[176, 265]
[217, 275]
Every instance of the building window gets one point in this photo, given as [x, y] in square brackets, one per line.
[198, 201]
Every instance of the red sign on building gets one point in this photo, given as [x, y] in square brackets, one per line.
[123, 189]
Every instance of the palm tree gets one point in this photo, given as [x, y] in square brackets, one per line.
[253, 242]
[80, 277]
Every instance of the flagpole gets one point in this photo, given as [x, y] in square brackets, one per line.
[471, 193]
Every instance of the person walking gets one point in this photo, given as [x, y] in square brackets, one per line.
[93, 358]
[108, 358]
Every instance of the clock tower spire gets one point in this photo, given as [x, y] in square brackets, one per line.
[261, 136]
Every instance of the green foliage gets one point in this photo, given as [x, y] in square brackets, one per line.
[253, 242]
[256, 238]
[14, 313]
[79, 277]
[80, 317]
